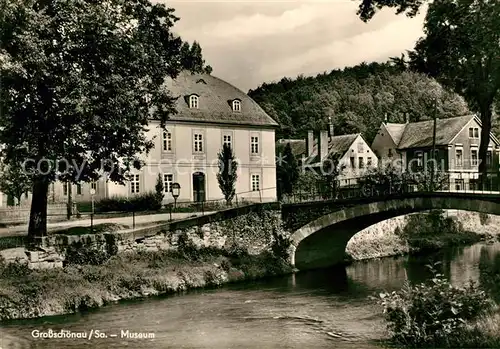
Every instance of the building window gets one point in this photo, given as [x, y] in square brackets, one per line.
[226, 140]
[368, 161]
[65, 189]
[167, 141]
[134, 184]
[459, 184]
[420, 158]
[489, 158]
[353, 162]
[93, 186]
[198, 143]
[473, 157]
[78, 189]
[459, 157]
[361, 162]
[193, 101]
[255, 182]
[236, 105]
[168, 179]
[473, 132]
[254, 141]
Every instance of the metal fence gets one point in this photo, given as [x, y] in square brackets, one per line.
[180, 210]
[20, 214]
[467, 184]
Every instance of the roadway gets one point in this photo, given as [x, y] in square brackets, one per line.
[140, 222]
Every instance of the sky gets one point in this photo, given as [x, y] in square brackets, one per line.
[251, 42]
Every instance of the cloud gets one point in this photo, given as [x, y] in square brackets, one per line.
[251, 42]
[244, 27]
[390, 40]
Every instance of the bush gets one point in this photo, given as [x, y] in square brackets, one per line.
[143, 202]
[432, 314]
[80, 254]
[433, 230]
[280, 245]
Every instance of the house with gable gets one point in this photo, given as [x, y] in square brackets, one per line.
[409, 146]
[353, 152]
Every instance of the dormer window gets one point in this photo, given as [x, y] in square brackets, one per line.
[193, 101]
[236, 105]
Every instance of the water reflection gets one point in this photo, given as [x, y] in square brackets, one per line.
[318, 309]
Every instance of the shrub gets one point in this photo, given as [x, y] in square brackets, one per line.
[280, 245]
[14, 270]
[484, 218]
[432, 314]
[434, 230]
[80, 254]
[144, 202]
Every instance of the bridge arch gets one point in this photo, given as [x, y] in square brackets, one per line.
[322, 242]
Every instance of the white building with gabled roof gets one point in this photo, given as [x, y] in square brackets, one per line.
[210, 113]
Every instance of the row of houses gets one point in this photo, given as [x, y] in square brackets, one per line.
[407, 146]
[212, 112]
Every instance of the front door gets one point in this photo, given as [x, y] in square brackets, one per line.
[198, 186]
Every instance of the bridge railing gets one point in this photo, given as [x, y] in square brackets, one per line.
[467, 185]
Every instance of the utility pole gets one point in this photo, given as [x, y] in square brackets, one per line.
[433, 144]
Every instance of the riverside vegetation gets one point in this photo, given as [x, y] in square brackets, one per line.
[92, 278]
[438, 315]
[95, 275]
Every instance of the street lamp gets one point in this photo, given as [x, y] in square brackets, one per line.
[92, 193]
[175, 189]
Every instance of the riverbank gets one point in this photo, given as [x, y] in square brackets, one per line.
[385, 239]
[26, 293]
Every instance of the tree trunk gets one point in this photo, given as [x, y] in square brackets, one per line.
[69, 209]
[486, 114]
[38, 214]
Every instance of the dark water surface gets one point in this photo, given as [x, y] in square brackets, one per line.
[318, 309]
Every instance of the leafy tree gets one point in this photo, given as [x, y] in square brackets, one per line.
[367, 8]
[287, 170]
[329, 172]
[192, 59]
[81, 80]
[307, 183]
[227, 175]
[159, 191]
[14, 182]
[461, 49]
[382, 181]
[357, 99]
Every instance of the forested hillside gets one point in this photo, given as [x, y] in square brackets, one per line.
[357, 99]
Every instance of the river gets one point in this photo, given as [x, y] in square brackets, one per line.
[317, 309]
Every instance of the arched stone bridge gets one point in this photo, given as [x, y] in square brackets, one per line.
[321, 230]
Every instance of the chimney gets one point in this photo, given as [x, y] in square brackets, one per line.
[323, 145]
[330, 127]
[407, 118]
[385, 119]
[309, 143]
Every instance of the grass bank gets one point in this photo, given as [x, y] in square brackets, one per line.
[26, 293]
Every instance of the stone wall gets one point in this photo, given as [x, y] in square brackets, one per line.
[251, 232]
